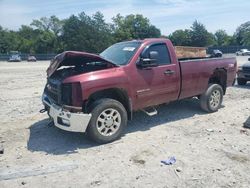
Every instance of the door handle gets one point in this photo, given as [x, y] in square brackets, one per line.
[169, 72]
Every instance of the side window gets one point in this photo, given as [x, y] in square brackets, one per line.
[164, 57]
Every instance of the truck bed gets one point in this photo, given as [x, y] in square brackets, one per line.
[195, 73]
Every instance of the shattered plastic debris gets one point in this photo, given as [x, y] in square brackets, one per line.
[209, 130]
[169, 161]
[244, 132]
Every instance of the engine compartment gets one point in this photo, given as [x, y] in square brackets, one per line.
[67, 71]
[61, 93]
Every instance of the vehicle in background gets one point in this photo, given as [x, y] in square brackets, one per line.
[243, 52]
[31, 58]
[216, 53]
[243, 73]
[97, 94]
[15, 56]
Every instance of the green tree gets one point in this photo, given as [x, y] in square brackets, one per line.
[3, 41]
[211, 39]
[28, 37]
[9, 40]
[221, 37]
[199, 35]
[45, 42]
[133, 27]
[50, 31]
[103, 32]
[246, 38]
[42, 24]
[231, 41]
[56, 25]
[70, 35]
[52, 24]
[241, 33]
[86, 33]
[181, 37]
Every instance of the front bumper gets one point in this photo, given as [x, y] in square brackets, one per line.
[68, 121]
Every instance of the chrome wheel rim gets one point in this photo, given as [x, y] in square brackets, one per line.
[108, 122]
[215, 99]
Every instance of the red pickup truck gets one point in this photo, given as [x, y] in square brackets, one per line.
[97, 94]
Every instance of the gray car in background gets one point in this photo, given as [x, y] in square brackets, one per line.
[216, 53]
[15, 58]
[31, 58]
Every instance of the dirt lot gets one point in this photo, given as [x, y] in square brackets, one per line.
[212, 150]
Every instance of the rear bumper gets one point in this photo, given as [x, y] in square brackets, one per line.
[68, 121]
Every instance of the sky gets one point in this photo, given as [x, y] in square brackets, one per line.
[167, 15]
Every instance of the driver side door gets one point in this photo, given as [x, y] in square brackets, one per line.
[159, 84]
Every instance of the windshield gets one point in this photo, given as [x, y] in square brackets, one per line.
[121, 53]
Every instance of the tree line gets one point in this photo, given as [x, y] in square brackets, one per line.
[93, 34]
[198, 35]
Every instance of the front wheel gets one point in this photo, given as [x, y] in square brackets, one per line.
[108, 121]
[211, 100]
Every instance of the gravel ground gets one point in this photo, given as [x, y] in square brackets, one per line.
[211, 150]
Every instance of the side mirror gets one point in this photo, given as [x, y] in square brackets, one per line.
[154, 55]
[151, 61]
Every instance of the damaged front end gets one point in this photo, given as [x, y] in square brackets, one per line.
[63, 101]
[65, 119]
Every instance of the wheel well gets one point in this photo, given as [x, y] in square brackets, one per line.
[219, 76]
[112, 93]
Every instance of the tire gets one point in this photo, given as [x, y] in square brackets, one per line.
[211, 100]
[241, 81]
[108, 121]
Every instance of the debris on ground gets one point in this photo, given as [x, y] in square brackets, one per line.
[23, 183]
[210, 130]
[96, 182]
[178, 169]
[177, 172]
[169, 161]
[244, 132]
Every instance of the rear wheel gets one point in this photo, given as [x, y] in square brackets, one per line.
[108, 122]
[241, 81]
[211, 100]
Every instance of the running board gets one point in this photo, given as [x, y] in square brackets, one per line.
[150, 111]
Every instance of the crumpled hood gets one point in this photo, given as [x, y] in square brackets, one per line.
[70, 58]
